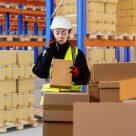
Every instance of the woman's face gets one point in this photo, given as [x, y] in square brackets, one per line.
[61, 35]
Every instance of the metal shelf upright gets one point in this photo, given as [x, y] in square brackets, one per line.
[81, 23]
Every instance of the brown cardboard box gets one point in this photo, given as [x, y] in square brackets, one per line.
[15, 115]
[106, 91]
[29, 113]
[28, 71]
[21, 73]
[3, 72]
[104, 119]
[15, 100]
[25, 57]
[25, 85]
[5, 116]
[7, 57]
[7, 86]
[61, 76]
[5, 102]
[113, 71]
[15, 72]
[29, 98]
[128, 89]
[58, 106]
[58, 129]
[9, 72]
[94, 92]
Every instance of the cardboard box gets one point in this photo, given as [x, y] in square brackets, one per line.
[21, 73]
[61, 76]
[94, 92]
[15, 72]
[3, 72]
[109, 54]
[59, 106]
[28, 72]
[106, 91]
[29, 113]
[25, 85]
[5, 102]
[113, 71]
[17, 100]
[7, 57]
[5, 116]
[7, 86]
[104, 119]
[25, 57]
[15, 115]
[29, 99]
[128, 89]
[58, 129]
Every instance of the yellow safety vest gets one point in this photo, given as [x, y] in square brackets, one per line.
[74, 88]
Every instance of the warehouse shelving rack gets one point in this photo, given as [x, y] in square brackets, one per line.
[20, 23]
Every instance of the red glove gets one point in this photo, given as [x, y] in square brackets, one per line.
[51, 42]
[75, 71]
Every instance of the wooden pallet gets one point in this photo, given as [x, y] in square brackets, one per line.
[126, 37]
[39, 111]
[102, 36]
[19, 125]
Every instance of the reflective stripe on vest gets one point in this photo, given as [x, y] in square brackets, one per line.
[47, 88]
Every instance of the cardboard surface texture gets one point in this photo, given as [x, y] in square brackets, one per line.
[113, 71]
[7, 57]
[59, 106]
[128, 89]
[104, 91]
[25, 57]
[61, 76]
[25, 85]
[58, 129]
[104, 119]
[7, 86]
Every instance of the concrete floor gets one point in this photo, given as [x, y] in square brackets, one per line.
[27, 131]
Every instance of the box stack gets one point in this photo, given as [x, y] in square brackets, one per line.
[101, 15]
[58, 112]
[7, 83]
[100, 55]
[104, 86]
[126, 16]
[25, 83]
[68, 8]
[17, 85]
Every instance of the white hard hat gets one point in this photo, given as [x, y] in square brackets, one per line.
[61, 22]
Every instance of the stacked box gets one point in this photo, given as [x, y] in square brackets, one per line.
[126, 16]
[104, 91]
[17, 85]
[7, 83]
[100, 15]
[68, 8]
[25, 84]
[58, 112]
[100, 55]
[105, 78]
